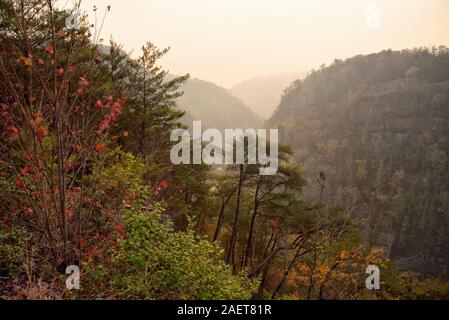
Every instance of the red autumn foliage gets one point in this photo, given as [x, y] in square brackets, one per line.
[83, 81]
[40, 133]
[36, 122]
[13, 133]
[12, 129]
[49, 48]
[100, 105]
[100, 147]
[163, 185]
[274, 225]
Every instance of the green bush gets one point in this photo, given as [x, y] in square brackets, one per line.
[155, 262]
[12, 252]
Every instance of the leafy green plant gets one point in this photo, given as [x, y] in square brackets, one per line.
[12, 251]
[155, 262]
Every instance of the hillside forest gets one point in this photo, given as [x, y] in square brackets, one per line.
[86, 178]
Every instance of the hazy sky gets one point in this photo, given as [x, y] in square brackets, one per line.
[227, 41]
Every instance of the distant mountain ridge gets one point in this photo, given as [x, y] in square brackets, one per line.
[215, 106]
[263, 94]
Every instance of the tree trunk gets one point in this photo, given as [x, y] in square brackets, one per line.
[286, 273]
[144, 124]
[230, 255]
[59, 143]
[221, 216]
[251, 226]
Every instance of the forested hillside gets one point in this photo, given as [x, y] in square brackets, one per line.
[377, 127]
[263, 94]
